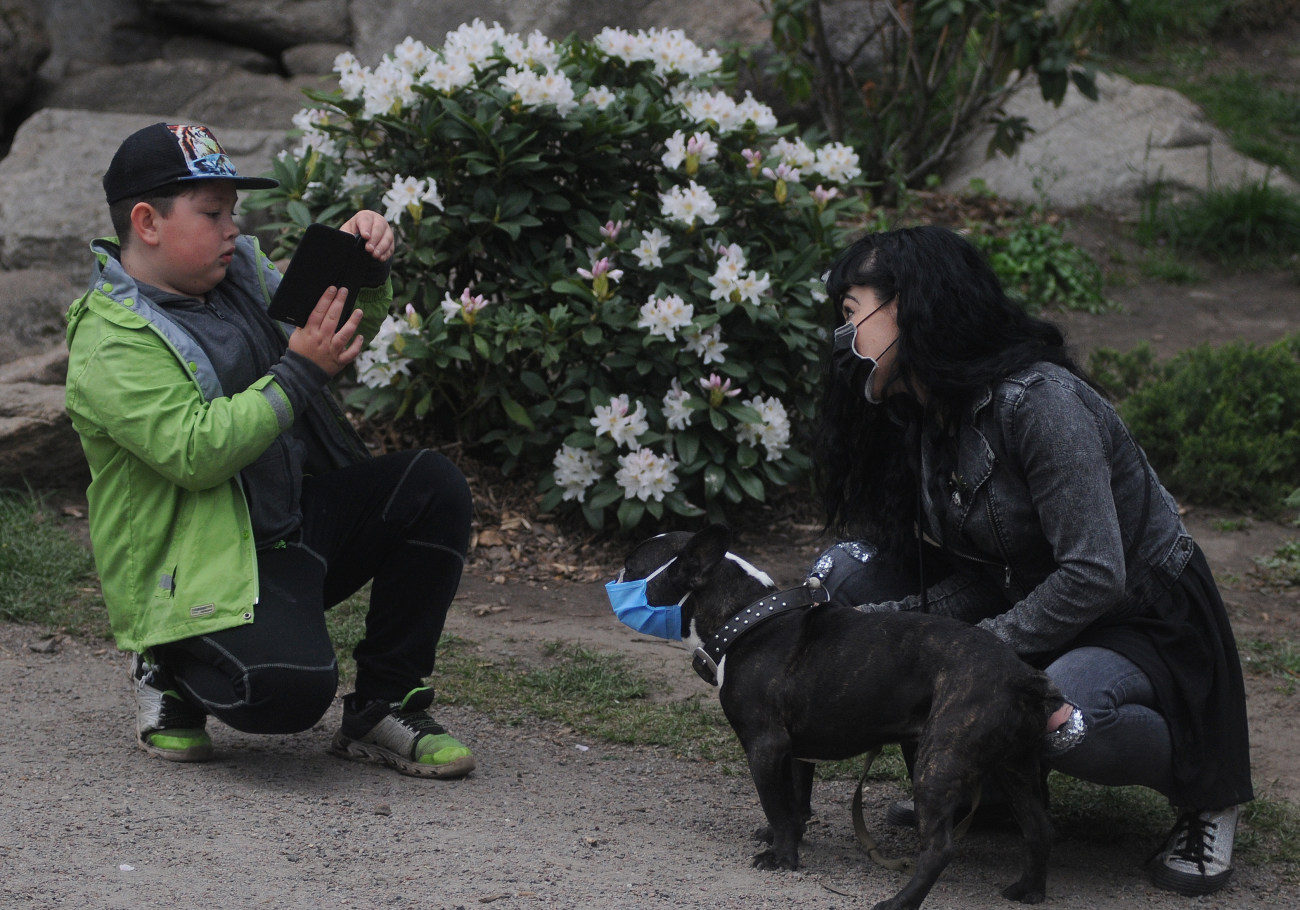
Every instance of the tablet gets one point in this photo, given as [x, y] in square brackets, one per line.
[325, 258]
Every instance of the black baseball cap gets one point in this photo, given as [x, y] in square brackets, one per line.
[172, 153]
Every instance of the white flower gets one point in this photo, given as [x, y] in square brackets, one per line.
[311, 122]
[668, 49]
[448, 74]
[730, 281]
[794, 152]
[413, 56]
[388, 90]
[538, 50]
[575, 470]
[686, 204]
[773, 433]
[665, 315]
[599, 97]
[474, 42]
[615, 421]
[653, 242]
[700, 147]
[382, 361]
[538, 89]
[676, 411]
[352, 75]
[466, 306]
[756, 112]
[354, 181]
[718, 108]
[643, 474]
[836, 161]
[708, 344]
[407, 196]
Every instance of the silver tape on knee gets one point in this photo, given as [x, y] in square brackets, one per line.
[1067, 735]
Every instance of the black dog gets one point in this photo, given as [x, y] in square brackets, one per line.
[802, 681]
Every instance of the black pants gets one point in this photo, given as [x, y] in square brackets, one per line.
[400, 521]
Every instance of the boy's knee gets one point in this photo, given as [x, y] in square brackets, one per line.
[280, 699]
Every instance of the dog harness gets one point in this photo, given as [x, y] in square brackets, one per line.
[710, 653]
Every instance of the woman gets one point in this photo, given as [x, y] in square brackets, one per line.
[972, 470]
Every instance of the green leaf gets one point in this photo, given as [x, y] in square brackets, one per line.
[518, 413]
[714, 477]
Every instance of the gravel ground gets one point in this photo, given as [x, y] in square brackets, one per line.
[91, 822]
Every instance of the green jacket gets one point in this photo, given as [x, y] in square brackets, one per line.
[169, 522]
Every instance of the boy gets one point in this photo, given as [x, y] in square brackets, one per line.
[231, 503]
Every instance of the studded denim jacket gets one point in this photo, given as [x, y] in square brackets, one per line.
[1052, 516]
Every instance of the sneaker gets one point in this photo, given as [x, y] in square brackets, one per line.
[1197, 856]
[166, 724]
[402, 735]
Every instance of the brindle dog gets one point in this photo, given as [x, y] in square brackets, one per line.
[825, 682]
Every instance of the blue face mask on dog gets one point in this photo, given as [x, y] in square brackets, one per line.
[632, 607]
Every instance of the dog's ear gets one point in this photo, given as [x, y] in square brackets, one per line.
[702, 552]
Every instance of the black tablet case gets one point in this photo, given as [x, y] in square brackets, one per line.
[325, 258]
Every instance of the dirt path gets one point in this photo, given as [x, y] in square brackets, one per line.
[548, 818]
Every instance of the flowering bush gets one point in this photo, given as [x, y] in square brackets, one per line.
[607, 268]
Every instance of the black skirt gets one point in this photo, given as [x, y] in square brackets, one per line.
[1184, 644]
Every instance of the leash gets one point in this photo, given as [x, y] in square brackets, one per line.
[709, 654]
[901, 863]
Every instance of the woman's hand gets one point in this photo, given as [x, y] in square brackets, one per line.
[380, 241]
[321, 340]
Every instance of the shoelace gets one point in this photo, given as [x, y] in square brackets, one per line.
[421, 723]
[1193, 841]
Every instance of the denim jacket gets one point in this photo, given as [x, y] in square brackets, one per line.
[1052, 518]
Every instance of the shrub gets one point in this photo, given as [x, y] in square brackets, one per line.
[1222, 425]
[608, 267]
[908, 81]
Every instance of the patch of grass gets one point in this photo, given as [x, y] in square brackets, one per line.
[1279, 659]
[1263, 121]
[1171, 43]
[1270, 836]
[595, 694]
[46, 576]
[1283, 566]
[1249, 224]
[1164, 266]
[1268, 833]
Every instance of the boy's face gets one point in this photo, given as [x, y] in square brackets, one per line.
[196, 241]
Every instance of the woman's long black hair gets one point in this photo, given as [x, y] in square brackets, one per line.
[959, 333]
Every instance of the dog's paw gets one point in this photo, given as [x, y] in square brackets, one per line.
[1026, 894]
[771, 861]
[894, 903]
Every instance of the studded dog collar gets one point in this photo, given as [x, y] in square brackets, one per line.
[709, 654]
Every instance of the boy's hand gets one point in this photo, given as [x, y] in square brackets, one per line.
[318, 341]
[380, 241]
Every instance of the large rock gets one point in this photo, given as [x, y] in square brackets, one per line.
[379, 25]
[32, 307]
[194, 89]
[1109, 152]
[24, 45]
[267, 24]
[38, 446]
[51, 199]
